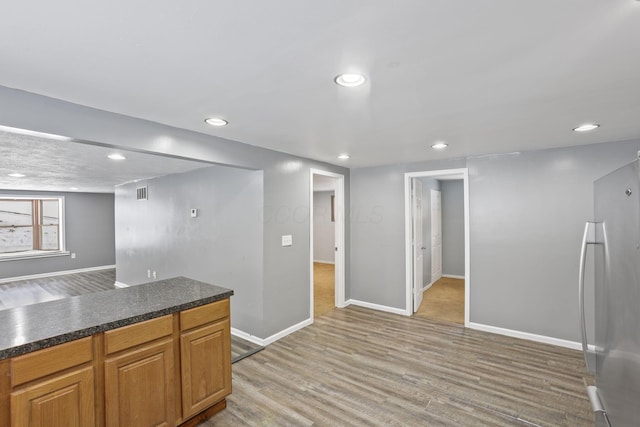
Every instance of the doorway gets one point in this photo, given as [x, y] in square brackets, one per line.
[326, 242]
[446, 280]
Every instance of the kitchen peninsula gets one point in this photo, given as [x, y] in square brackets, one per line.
[153, 354]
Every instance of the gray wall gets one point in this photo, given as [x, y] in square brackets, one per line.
[324, 230]
[223, 245]
[285, 287]
[452, 227]
[527, 213]
[89, 232]
[428, 184]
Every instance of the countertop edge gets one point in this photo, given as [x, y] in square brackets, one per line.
[52, 341]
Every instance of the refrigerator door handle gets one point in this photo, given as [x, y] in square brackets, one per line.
[589, 237]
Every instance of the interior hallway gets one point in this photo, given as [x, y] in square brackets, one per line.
[444, 300]
[324, 290]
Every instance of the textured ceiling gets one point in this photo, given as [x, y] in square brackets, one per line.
[486, 76]
[57, 165]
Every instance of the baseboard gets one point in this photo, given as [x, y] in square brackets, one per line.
[248, 337]
[273, 338]
[120, 285]
[453, 276]
[428, 286]
[529, 336]
[377, 307]
[291, 329]
[319, 261]
[56, 273]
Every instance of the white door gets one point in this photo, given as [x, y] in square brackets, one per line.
[436, 236]
[418, 244]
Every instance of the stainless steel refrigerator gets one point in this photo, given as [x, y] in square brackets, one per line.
[615, 237]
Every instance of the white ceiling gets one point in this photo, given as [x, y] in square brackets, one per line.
[57, 164]
[486, 76]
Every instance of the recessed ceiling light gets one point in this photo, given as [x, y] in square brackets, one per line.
[214, 121]
[586, 127]
[344, 156]
[350, 80]
[17, 175]
[116, 156]
[439, 146]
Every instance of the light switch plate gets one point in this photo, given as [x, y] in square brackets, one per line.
[194, 213]
[287, 240]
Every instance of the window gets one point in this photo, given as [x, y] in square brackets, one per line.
[31, 226]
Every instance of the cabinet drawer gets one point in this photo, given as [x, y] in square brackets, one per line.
[50, 360]
[139, 333]
[204, 314]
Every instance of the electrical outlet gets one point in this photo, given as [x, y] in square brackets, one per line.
[148, 274]
[154, 275]
[73, 255]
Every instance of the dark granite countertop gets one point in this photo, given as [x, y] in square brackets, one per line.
[34, 327]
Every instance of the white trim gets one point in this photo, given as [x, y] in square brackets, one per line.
[248, 337]
[273, 338]
[408, 242]
[529, 336]
[62, 238]
[15, 256]
[408, 176]
[291, 329]
[56, 273]
[120, 285]
[339, 239]
[453, 276]
[426, 288]
[319, 261]
[376, 307]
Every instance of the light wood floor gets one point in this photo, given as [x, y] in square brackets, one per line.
[359, 367]
[242, 348]
[444, 300]
[324, 293]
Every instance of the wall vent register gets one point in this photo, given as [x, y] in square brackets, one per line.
[141, 193]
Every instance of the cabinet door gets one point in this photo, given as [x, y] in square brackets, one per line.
[206, 366]
[65, 400]
[139, 387]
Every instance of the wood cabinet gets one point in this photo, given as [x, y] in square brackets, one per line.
[54, 387]
[64, 400]
[167, 371]
[139, 375]
[139, 387]
[205, 352]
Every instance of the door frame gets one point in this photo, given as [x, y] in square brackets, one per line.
[463, 173]
[416, 251]
[431, 234]
[339, 207]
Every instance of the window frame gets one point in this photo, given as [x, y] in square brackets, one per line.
[36, 225]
